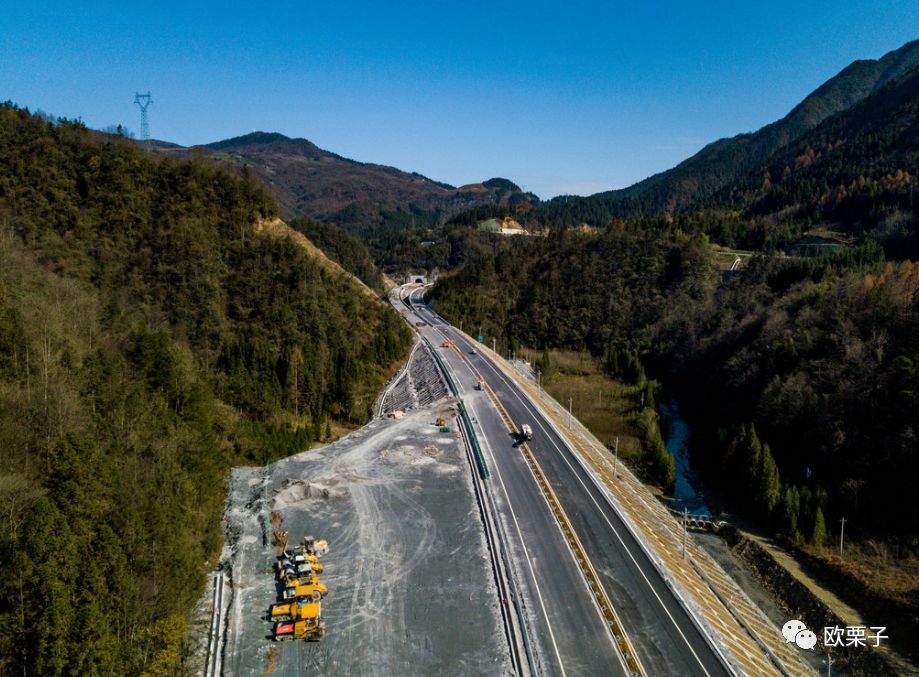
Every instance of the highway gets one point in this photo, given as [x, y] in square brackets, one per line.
[665, 638]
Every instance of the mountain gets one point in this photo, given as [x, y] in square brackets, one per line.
[306, 180]
[158, 325]
[855, 176]
[728, 160]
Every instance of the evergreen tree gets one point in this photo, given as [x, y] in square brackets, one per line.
[751, 455]
[791, 507]
[818, 534]
[768, 486]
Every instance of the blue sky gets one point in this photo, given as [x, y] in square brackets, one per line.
[561, 99]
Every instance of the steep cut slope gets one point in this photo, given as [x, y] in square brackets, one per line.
[158, 324]
[727, 160]
[307, 180]
[346, 249]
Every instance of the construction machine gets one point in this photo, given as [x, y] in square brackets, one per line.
[296, 610]
[286, 568]
[308, 578]
[304, 588]
[311, 632]
[298, 558]
[305, 623]
[313, 546]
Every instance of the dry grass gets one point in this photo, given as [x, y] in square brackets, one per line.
[875, 566]
[606, 406]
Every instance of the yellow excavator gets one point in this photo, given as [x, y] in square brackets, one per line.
[305, 623]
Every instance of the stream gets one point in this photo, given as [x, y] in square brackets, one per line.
[685, 492]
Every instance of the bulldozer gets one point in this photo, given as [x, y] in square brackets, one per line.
[304, 588]
[306, 630]
[303, 623]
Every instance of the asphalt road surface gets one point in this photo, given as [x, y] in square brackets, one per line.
[666, 639]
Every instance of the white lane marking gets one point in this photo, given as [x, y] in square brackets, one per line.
[465, 362]
[526, 553]
[542, 604]
[537, 418]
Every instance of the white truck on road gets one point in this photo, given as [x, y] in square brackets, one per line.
[526, 433]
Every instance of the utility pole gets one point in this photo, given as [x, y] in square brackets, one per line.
[493, 345]
[842, 529]
[685, 518]
[143, 102]
[569, 413]
[617, 453]
[829, 665]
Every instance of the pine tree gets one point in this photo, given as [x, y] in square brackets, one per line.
[768, 486]
[818, 535]
[745, 454]
[791, 507]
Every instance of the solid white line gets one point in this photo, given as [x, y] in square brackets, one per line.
[616, 651]
[526, 553]
[542, 604]
[537, 418]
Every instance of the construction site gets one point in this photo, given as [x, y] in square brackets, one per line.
[406, 584]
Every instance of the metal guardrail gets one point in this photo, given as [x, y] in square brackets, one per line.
[443, 368]
[476, 449]
[213, 666]
[464, 417]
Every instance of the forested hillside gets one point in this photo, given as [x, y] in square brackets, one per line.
[856, 173]
[727, 160]
[817, 354]
[798, 373]
[149, 339]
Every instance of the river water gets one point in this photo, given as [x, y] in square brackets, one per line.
[685, 492]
